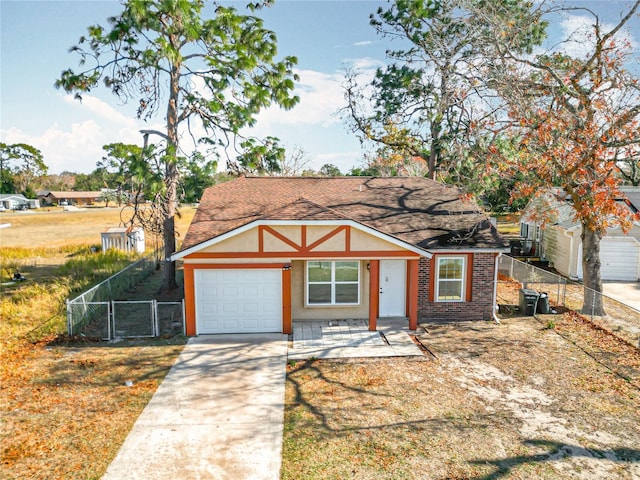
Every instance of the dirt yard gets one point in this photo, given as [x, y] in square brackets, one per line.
[515, 400]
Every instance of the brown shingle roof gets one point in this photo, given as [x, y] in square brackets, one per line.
[416, 210]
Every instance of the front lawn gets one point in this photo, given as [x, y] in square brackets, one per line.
[514, 400]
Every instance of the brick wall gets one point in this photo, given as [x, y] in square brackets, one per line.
[479, 308]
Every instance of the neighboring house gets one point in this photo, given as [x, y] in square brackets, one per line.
[15, 201]
[549, 230]
[261, 252]
[68, 198]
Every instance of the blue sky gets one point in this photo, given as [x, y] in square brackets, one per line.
[324, 35]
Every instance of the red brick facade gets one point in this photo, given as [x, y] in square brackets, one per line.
[479, 308]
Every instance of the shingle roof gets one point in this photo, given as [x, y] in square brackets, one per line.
[415, 210]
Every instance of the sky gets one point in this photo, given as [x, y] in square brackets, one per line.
[325, 35]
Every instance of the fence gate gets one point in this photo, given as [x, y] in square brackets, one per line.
[134, 319]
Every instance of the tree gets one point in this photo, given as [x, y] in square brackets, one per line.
[215, 73]
[572, 115]
[431, 102]
[91, 182]
[108, 195]
[329, 170]
[198, 175]
[628, 162]
[120, 162]
[20, 164]
[56, 182]
[258, 157]
[295, 162]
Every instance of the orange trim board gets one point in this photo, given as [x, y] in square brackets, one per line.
[190, 293]
[340, 254]
[433, 265]
[265, 228]
[303, 247]
[329, 235]
[374, 293]
[204, 266]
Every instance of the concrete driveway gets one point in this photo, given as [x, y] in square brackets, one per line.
[625, 292]
[217, 415]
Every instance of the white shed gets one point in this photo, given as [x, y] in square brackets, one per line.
[127, 239]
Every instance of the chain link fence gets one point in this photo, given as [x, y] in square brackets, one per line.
[102, 312]
[516, 277]
[127, 319]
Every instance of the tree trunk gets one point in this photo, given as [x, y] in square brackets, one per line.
[591, 272]
[171, 181]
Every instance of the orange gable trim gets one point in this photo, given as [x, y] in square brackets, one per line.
[303, 247]
[332, 234]
[305, 254]
[265, 228]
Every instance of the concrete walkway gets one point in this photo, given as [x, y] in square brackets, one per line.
[217, 415]
[352, 339]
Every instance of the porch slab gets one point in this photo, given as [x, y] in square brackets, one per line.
[351, 338]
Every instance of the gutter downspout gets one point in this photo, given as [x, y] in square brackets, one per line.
[495, 288]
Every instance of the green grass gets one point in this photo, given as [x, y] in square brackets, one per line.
[37, 305]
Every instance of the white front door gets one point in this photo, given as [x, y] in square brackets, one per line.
[393, 278]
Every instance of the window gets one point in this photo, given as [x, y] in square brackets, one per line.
[450, 279]
[333, 283]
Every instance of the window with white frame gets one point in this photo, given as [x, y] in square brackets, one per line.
[450, 279]
[333, 282]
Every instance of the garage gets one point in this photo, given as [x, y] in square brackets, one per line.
[620, 259]
[239, 300]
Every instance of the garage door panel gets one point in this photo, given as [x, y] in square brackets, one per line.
[238, 300]
[620, 259]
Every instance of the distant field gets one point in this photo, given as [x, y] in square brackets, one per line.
[54, 227]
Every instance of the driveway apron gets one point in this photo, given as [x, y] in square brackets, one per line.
[217, 415]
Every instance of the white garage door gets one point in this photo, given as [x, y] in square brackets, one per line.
[238, 300]
[620, 258]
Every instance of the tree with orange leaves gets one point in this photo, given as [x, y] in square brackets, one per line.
[573, 116]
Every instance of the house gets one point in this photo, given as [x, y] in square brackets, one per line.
[549, 230]
[15, 201]
[47, 197]
[261, 252]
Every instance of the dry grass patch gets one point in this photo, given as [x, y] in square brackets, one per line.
[57, 228]
[513, 401]
[67, 408]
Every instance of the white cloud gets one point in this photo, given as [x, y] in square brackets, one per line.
[102, 109]
[364, 64]
[321, 95]
[364, 43]
[578, 32]
[75, 149]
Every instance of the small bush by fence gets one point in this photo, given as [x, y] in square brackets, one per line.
[107, 311]
[513, 275]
